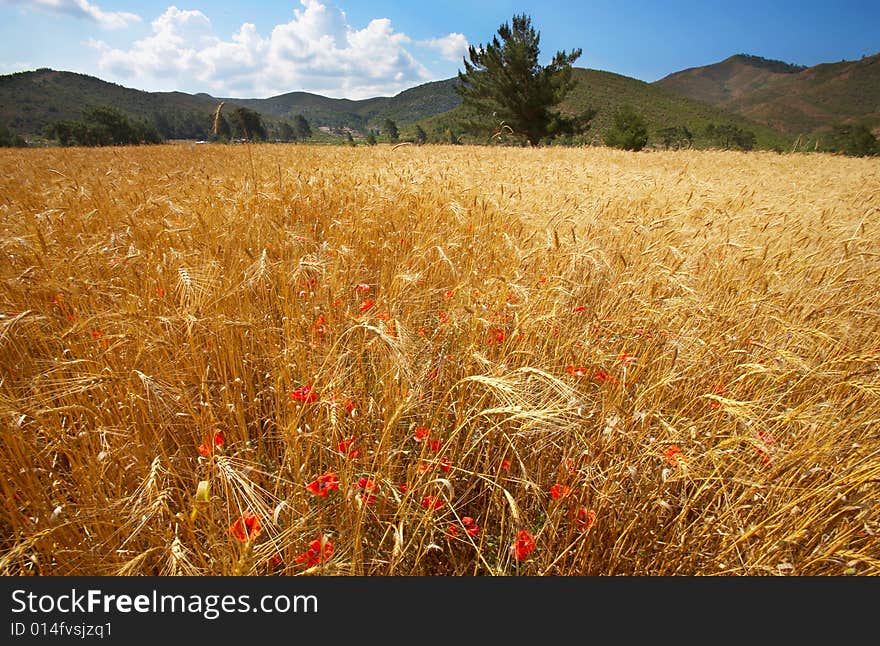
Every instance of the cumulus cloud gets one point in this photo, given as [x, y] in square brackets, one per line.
[452, 47]
[80, 9]
[317, 51]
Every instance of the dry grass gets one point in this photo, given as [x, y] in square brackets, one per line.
[689, 342]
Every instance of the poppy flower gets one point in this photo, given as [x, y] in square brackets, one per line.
[448, 294]
[345, 448]
[496, 335]
[160, 290]
[323, 484]
[363, 288]
[304, 394]
[625, 357]
[600, 376]
[444, 317]
[579, 308]
[320, 549]
[673, 454]
[97, 334]
[505, 465]
[368, 484]
[403, 487]
[446, 465]
[558, 491]
[576, 372]
[349, 406]
[275, 560]
[206, 448]
[435, 445]
[432, 502]
[421, 433]
[523, 545]
[367, 304]
[246, 527]
[584, 518]
[452, 531]
[720, 390]
[423, 467]
[470, 527]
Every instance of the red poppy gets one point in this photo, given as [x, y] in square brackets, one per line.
[584, 518]
[558, 491]
[523, 545]
[673, 454]
[320, 549]
[349, 406]
[443, 316]
[432, 502]
[275, 560]
[448, 294]
[766, 437]
[246, 527]
[600, 376]
[363, 288]
[367, 304]
[452, 531]
[505, 465]
[625, 357]
[368, 484]
[423, 467]
[97, 334]
[304, 394]
[160, 290]
[206, 448]
[720, 390]
[323, 484]
[470, 527]
[435, 445]
[384, 316]
[403, 487]
[579, 308]
[496, 335]
[446, 465]
[345, 448]
[575, 371]
[421, 433]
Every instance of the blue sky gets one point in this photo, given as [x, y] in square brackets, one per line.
[347, 48]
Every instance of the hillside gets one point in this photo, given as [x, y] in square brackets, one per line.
[795, 100]
[406, 108]
[661, 108]
[31, 100]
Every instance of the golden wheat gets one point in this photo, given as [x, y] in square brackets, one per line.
[660, 363]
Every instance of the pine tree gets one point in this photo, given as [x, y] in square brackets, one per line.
[503, 86]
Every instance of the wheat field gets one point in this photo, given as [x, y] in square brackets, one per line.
[286, 360]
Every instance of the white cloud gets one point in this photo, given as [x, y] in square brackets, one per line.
[453, 47]
[81, 9]
[317, 51]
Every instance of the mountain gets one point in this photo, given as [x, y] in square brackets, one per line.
[31, 100]
[406, 108]
[790, 98]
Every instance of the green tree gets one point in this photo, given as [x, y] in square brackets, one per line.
[391, 131]
[628, 131]
[286, 132]
[248, 124]
[855, 140]
[421, 135]
[730, 136]
[371, 138]
[503, 85]
[301, 127]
